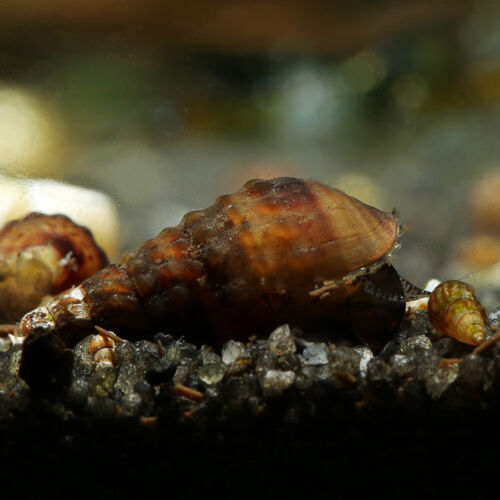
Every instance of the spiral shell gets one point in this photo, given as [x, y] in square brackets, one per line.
[67, 239]
[43, 255]
[103, 349]
[455, 311]
[243, 266]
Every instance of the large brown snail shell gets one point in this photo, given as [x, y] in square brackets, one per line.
[242, 266]
[455, 311]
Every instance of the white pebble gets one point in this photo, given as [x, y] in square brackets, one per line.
[232, 351]
[366, 354]
[431, 284]
[281, 340]
[275, 382]
[315, 354]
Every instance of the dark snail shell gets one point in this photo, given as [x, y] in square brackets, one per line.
[242, 266]
[455, 311]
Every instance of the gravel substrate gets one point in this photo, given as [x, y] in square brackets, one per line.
[225, 421]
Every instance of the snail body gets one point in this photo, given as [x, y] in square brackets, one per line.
[455, 311]
[242, 266]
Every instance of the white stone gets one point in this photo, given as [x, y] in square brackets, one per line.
[281, 340]
[431, 285]
[232, 351]
[315, 354]
[275, 382]
[441, 380]
[494, 317]
[421, 341]
[366, 354]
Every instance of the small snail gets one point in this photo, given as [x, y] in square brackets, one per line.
[43, 255]
[454, 311]
[103, 347]
[242, 266]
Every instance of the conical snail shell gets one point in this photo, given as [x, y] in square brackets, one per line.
[241, 266]
[454, 311]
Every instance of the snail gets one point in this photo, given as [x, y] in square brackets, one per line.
[455, 311]
[103, 347]
[279, 250]
[42, 255]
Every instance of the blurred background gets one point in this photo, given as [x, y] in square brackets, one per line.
[164, 105]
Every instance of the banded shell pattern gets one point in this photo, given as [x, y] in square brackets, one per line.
[455, 311]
